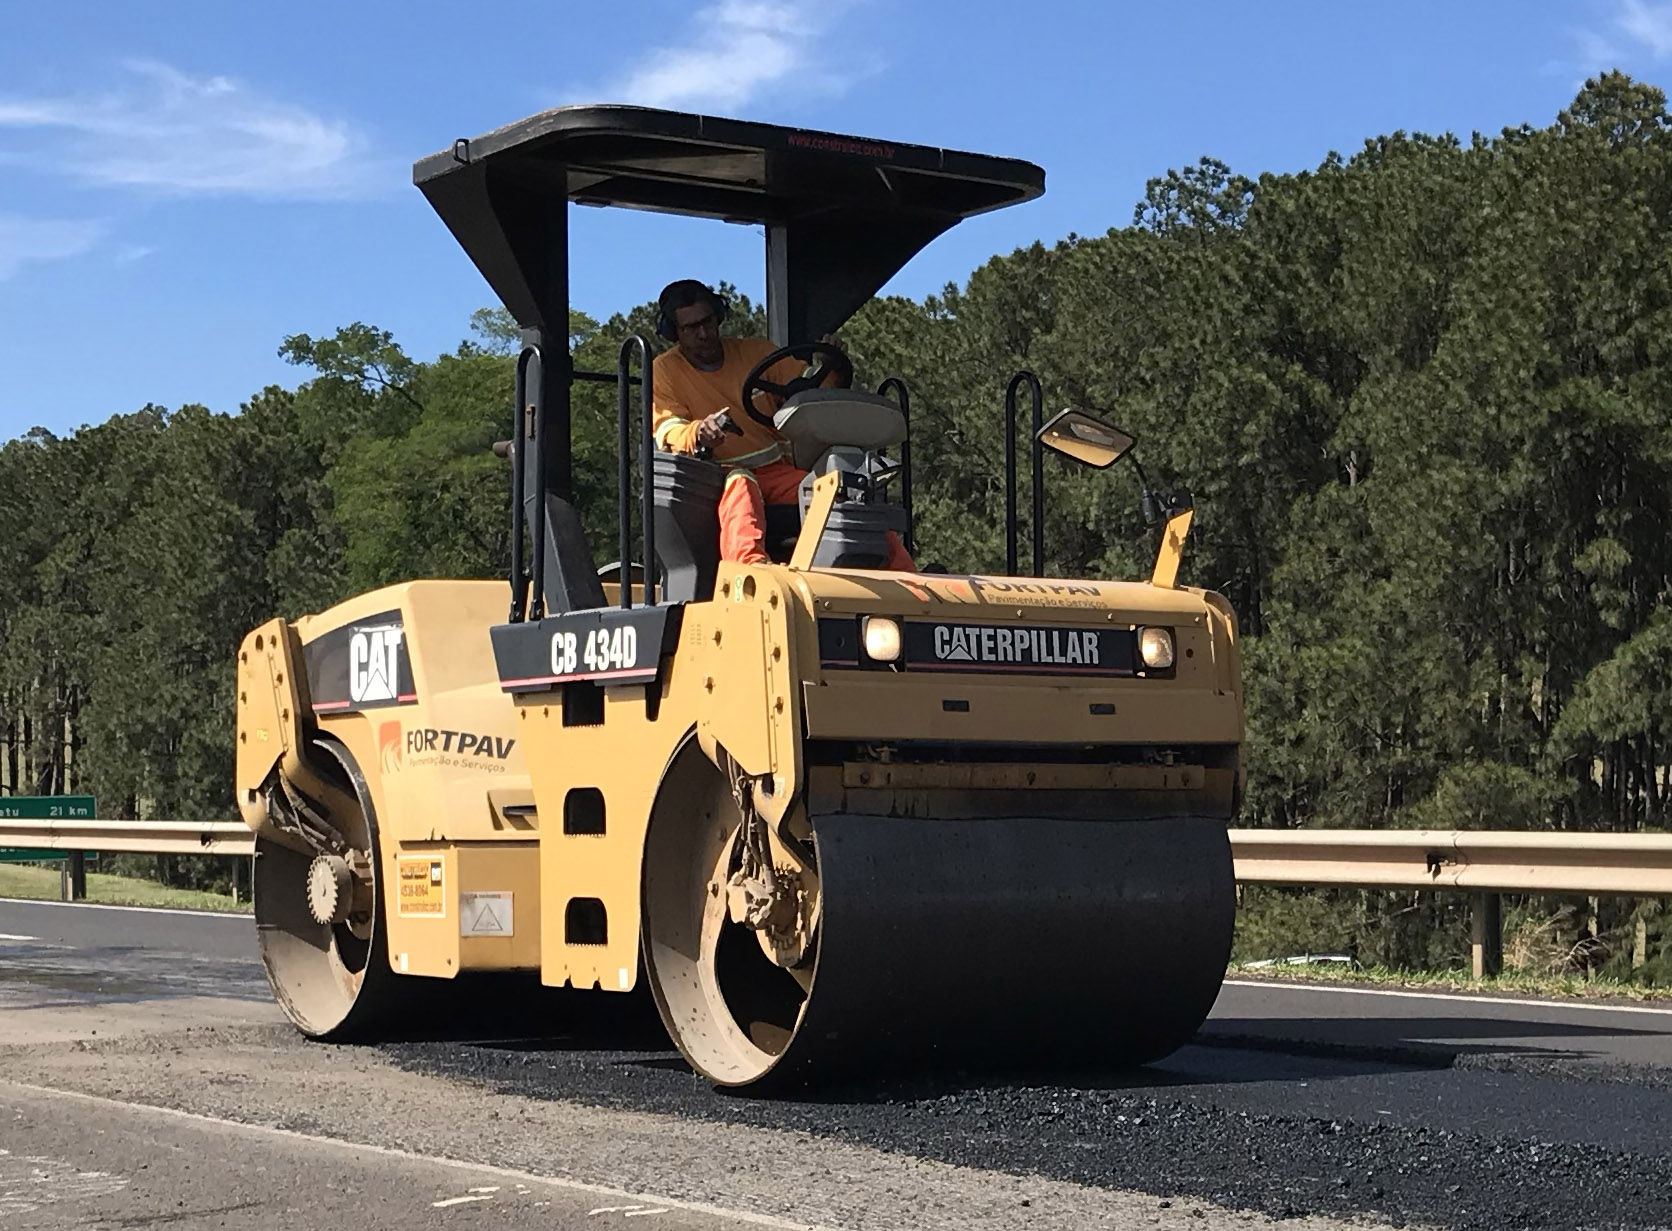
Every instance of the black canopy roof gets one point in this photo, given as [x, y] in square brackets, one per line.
[842, 214]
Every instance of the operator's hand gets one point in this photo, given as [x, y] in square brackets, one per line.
[709, 430]
[831, 339]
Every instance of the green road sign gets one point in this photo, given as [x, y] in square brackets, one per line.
[47, 808]
[9, 856]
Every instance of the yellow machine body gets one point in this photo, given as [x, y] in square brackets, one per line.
[512, 829]
[835, 817]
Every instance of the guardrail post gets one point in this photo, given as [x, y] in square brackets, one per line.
[1486, 935]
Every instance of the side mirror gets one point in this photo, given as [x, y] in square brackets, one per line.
[1085, 439]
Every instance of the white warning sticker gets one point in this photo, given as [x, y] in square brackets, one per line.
[485, 914]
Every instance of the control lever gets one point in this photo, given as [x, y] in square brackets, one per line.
[726, 425]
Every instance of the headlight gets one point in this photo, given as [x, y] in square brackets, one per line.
[882, 639]
[1155, 647]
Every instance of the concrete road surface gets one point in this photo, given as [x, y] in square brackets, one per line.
[169, 1091]
[71, 1161]
[77, 971]
[1394, 1022]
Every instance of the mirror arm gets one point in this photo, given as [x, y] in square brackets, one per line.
[1149, 505]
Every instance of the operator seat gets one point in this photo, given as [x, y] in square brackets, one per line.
[685, 507]
[828, 429]
[685, 502]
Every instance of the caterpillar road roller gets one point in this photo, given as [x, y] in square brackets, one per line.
[838, 818]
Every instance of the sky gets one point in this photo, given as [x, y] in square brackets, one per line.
[184, 183]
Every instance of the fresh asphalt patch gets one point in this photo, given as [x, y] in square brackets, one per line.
[1283, 1135]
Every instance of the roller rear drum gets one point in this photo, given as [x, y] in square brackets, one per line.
[319, 924]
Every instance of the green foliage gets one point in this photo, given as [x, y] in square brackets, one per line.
[1419, 394]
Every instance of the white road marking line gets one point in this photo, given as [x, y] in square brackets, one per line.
[493, 1189]
[1576, 1004]
[144, 910]
[30, 1181]
[627, 1211]
[15, 936]
[441, 1205]
[504, 1173]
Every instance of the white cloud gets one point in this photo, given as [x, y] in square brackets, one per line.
[1597, 53]
[1647, 24]
[166, 131]
[127, 254]
[730, 53]
[23, 240]
[1636, 28]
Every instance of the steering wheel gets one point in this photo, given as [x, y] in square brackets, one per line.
[825, 359]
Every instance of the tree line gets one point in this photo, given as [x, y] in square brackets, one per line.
[1420, 396]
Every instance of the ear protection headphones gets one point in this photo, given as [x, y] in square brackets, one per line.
[687, 289]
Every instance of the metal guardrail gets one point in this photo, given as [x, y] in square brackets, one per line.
[1492, 861]
[131, 837]
[1484, 863]
[78, 837]
[1497, 861]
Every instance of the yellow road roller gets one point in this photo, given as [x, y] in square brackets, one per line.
[839, 818]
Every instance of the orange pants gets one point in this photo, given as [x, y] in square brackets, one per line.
[743, 514]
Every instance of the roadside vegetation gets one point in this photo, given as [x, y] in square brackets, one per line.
[41, 883]
[1515, 983]
[1420, 394]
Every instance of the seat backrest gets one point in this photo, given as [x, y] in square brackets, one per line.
[685, 503]
[816, 419]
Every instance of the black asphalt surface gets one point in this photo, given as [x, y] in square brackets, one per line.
[1258, 1130]
[1451, 1111]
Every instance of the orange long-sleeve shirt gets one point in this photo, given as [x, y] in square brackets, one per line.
[682, 394]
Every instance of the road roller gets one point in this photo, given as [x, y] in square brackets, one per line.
[837, 818]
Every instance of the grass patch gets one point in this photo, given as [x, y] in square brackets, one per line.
[41, 883]
[1543, 986]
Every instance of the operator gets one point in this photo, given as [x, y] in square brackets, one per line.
[700, 380]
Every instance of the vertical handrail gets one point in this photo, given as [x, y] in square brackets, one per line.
[1038, 476]
[647, 467]
[624, 467]
[1036, 466]
[537, 573]
[519, 428]
[624, 475]
[897, 386]
[1010, 479]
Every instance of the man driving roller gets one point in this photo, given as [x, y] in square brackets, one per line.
[698, 389]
